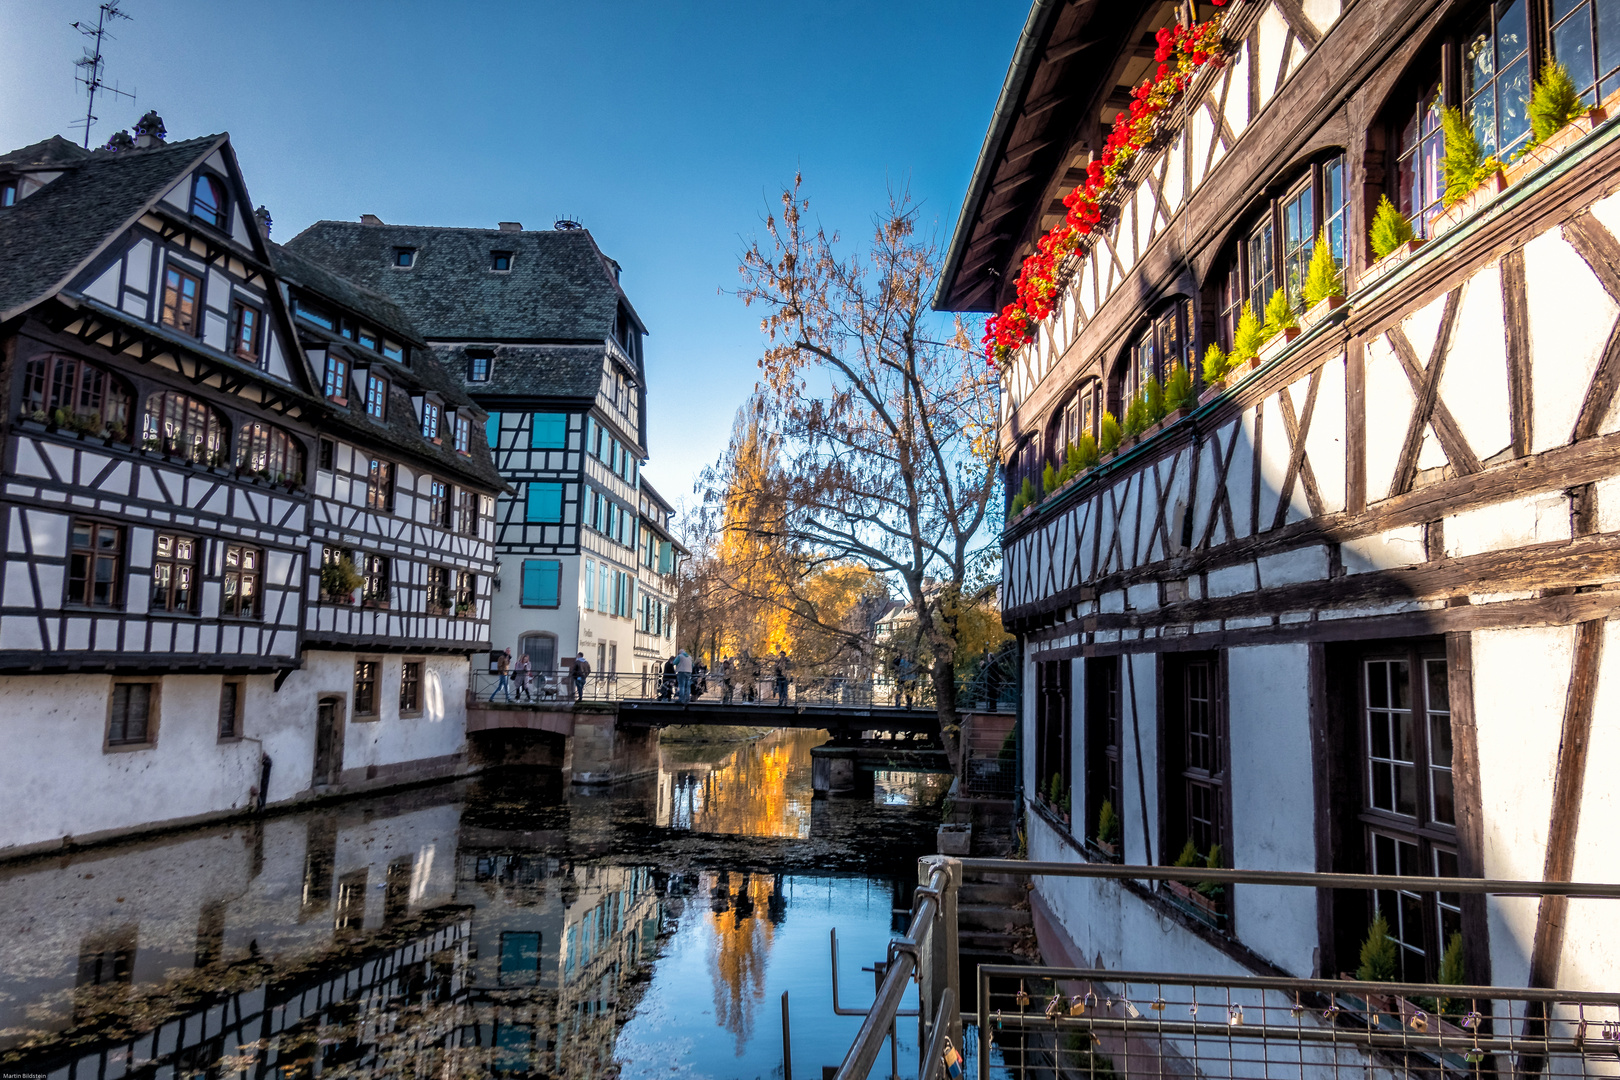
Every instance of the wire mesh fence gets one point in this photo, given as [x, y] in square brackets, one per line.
[1073, 1022]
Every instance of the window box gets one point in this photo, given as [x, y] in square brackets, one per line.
[339, 400]
[1471, 203]
[1210, 392]
[1389, 262]
[1274, 348]
[1380, 1010]
[1108, 852]
[1562, 139]
[1210, 910]
[1320, 311]
[437, 609]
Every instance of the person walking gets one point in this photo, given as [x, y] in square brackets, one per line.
[503, 664]
[908, 681]
[683, 676]
[524, 668]
[579, 670]
[781, 675]
[726, 670]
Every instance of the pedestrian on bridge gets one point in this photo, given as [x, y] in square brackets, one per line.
[683, 675]
[727, 669]
[524, 668]
[781, 675]
[580, 670]
[502, 666]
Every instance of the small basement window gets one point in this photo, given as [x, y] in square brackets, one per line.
[500, 260]
[404, 257]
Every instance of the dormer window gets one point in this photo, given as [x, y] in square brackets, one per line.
[8, 193]
[500, 260]
[376, 396]
[430, 419]
[314, 315]
[463, 429]
[368, 339]
[404, 257]
[337, 373]
[393, 350]
[208, 200]
[478, 364]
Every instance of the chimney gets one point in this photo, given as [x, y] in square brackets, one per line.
[511, 226]
[370, 219]
[149, 130]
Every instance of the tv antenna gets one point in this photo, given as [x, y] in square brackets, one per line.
[92, 63]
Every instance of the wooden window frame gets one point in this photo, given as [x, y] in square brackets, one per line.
[119, 555]
[153, 715]
[334, 380]
[367, 681]
[432, 421]
[239, 573]
[242, 315]
[1179, 775]
[466, 594]
[440, 593]
[376, 396]
[53, 381]
[441, 497]
[173, 312]
[497, 258]
[1104, 733]
[1054, 730]
[175, 423]
[264, 449]
[410, 691]
[175, 565]
[462, 428]
[237, 709]
[380, 485]
[327, 455]
[470, 513]
[220, 217]
[377, 589]
[404, 258]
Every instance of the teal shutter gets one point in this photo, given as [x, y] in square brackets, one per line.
[545, 502]
[492, 430]
[548, 431]
[542, 581]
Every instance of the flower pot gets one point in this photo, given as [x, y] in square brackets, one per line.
[1109, 851]
[1273, 348]
[1319, 311]
[1211, 391]
[1470, 204]
[954, 839]
[1206, 908]
[1562, 139]
[1181, 412]
[1389, 262]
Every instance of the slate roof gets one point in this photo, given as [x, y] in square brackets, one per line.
[47, 237]
[529, 371]
[560, 287]
[369, 305]
[52, 152]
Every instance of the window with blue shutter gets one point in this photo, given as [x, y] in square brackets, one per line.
[492, 430]
[545, 502]
[542, 582]
[550, 431]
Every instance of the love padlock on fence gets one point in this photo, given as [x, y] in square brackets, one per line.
[953, 1061]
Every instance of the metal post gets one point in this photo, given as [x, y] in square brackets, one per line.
[787, 1041]
[940, 961]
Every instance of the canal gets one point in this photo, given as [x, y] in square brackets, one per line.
[503, 925]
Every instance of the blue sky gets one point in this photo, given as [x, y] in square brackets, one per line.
[663, 127]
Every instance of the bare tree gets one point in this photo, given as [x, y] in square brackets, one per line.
[887, 418]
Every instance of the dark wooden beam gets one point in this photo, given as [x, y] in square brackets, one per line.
[1034, 146]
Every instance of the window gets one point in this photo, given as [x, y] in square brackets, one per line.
[380, 485]
[544, 502]
[95, 564]
[520, 966]
[376, 572]
[208, 200]
[269, 452]
[542, 582]
[1585, 39]
[185, 426]
[230, 709]
[466, 594]
[393, 351]
[1276, 251]
[410, 687]
[335, 382]
[439, 504]
[245, 332]
[131, 720]
[1420, 147]
[365, 688]
[469, 512]
[174, 573]
[243, 566]
[8, 193]
[335, 557]
[478, 365]
[304, 310]
[541, 649]
[1165, 342]
[1104, 728]
[1496, 74]
[376, 396]
[1409, 810]
[500, 260]
[181, 291]
[87, 396]
[602, 588]
[1054, 680]
[1195, 756]
[368, 338]
[463, 435]
[404, 257]
[549, 431]
[438, 590]
[590, 585]
[430, 420]
[328, 452]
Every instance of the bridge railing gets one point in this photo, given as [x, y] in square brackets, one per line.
[1038, 1021]
[556, 688]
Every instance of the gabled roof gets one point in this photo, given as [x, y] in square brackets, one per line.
[560, 287]
[53, 152]
[531, 371]
[48, 237]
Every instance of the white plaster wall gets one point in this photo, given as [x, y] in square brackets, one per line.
[1591, 958]
[1387, 385]
[1521, 678]
[1077, 751]
[1533, 519]
[1383, 551]
[510, 620]
[1570, 318]
[1139, 756]
[54, 734]
[1273, 808]
[1474, 381]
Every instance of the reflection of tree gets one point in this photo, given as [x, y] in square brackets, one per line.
[737, 956]
[762, 789]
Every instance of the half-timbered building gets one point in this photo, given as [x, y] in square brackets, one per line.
[1347, 611]
[535, 327]
[176, 480]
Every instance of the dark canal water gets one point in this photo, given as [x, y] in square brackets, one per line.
[503, 926]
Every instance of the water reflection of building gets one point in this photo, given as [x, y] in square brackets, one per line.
[761, 788]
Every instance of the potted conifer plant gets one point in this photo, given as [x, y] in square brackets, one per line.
[1136, 418]
[1087, 451]
[1108, 831]
[1324, 284]
[1179, 398]
[1281, 325]
[1109, 435]
[1022, 501]
[1559, 119]
[1472, 179]
[1391, 239]
[1246, 342]
[1216, 366]
[1153, 403]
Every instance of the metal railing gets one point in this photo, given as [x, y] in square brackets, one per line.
[556, 687]
[992, 684]
[1064, 1022]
